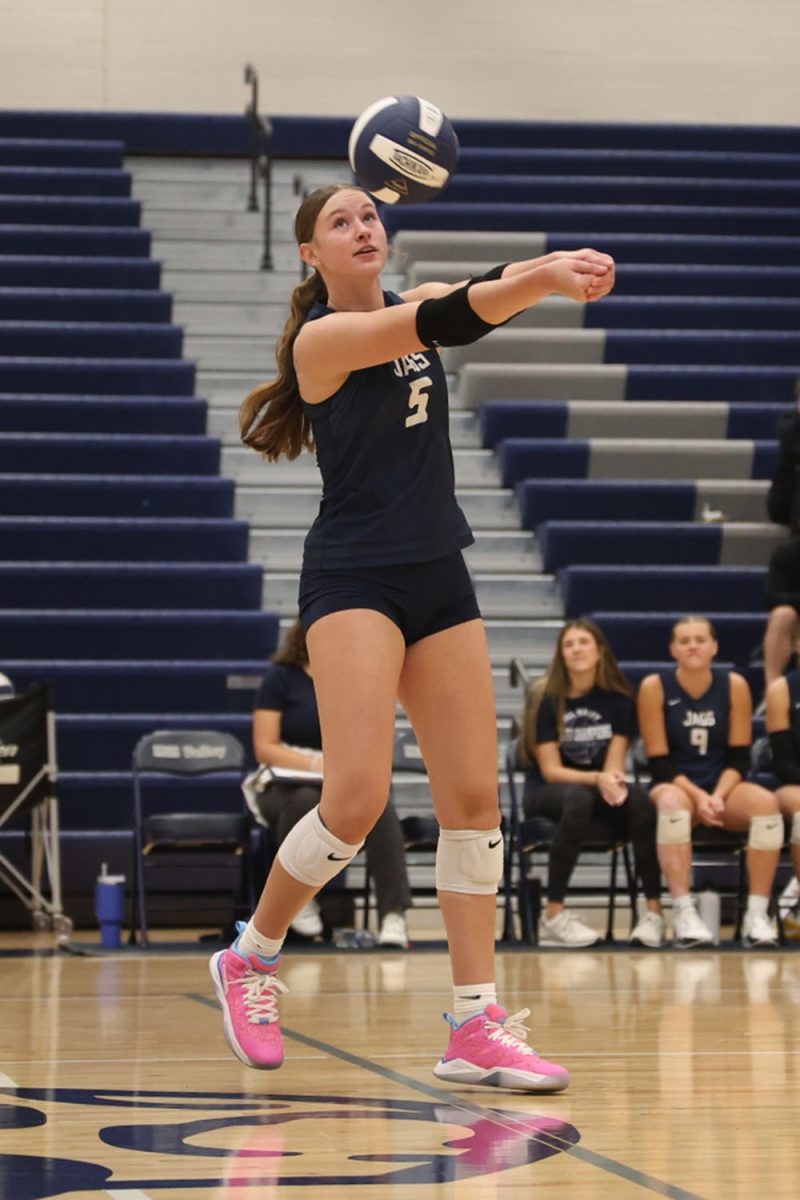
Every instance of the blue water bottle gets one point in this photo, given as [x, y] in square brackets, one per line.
[109, 907]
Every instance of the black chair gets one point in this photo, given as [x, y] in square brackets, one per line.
[533, 836]
[168, 844]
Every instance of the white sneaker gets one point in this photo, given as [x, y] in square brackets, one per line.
[566, 929]
[393, 931]
[791, 924]
[689, 930]
[308, 922]
[649, 931]
[758, 930]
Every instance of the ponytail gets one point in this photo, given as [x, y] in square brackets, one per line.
[272, 419]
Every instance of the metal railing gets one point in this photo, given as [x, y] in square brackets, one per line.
[260, 163]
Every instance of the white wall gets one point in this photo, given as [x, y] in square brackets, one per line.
[630, 60]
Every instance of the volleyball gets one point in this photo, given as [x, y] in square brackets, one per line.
[403, 150]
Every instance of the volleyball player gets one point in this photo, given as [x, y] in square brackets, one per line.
[389, 609]
[696, 723]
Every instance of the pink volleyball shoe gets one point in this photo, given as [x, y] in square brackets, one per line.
[490, 1049]
[247, 989]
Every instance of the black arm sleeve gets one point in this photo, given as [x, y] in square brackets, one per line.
[737, 758]
[784, 761]
[450, 320]
[662, 768]
[488, 276]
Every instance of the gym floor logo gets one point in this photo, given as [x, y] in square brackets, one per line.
[159, 1140]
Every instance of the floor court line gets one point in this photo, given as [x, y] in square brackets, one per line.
[7, 1081]
[590, 1157]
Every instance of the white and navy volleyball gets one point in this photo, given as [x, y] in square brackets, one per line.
[403, 150]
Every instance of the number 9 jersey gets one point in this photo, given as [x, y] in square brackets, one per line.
[697, 730]
[383, 450]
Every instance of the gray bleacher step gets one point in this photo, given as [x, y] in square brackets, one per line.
[502, 596]
[738, 500]
[474, 468]
[554, 381]
[223, 423]
[233, 317]
[647, 418]
[296, 507]
[485, 249]
[247, 285]
[199, 253]
[668, 458]
[280, 549]
[517, 595]
[168, 223]
[530, 640]
[189, 168]
[585, 346]
[235, 352]
[749, 543]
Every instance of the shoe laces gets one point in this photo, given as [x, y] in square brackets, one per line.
[511, 1032]
[260, 990]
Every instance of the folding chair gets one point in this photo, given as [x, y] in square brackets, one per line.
[28, 779]
[535, 834]
[165, 842]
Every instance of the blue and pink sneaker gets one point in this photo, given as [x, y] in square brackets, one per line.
[247, 987]
[490, 1049]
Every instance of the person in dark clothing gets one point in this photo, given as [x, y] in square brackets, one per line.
[783, 727]
[579, 721]
[783, 498]
[782, 594]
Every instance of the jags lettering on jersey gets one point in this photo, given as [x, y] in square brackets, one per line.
[409, 364]
[701, 720]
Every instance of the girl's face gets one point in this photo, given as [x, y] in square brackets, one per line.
[349, 238]
[692, 646]
[580, 651]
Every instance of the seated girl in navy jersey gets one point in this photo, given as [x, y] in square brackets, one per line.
[783, 726]
[696, 723]
[286, 733]
[580, 720]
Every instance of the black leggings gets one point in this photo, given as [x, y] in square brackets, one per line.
[283, 804]
[573, 807]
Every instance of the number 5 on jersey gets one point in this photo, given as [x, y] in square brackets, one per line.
[418, 401]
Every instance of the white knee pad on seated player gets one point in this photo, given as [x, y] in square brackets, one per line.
[312, 854]
[469, 861]
[674, 828]
[766, 833]
[794, 837]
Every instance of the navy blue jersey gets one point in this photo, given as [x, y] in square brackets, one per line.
[590, 722]
[289, 690]
[383, 449]
[697, 730]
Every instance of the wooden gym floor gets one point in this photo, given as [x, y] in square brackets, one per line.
[116, 1081]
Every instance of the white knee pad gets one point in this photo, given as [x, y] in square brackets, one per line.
[794, 837]
[469, 861]
[674, 828]
[310, 852]
[766, 833]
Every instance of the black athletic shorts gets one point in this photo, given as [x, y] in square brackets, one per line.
[420, 598]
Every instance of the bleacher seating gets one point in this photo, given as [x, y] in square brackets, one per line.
[124, 573]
